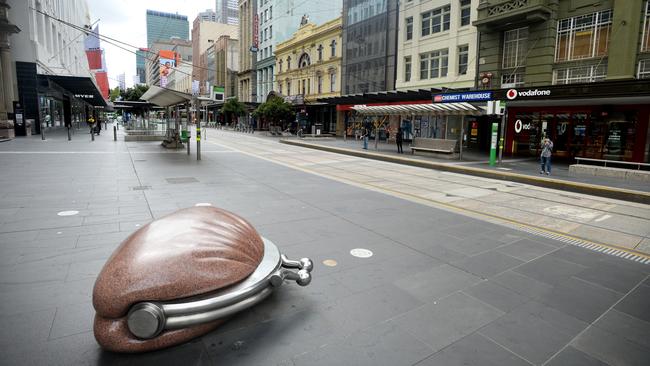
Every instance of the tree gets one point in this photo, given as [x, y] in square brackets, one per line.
[233, 107]
[274, 110]
[134, 94]
[114, 93]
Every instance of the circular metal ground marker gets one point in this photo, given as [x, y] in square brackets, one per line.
[68, 213]
[361, 253]
[330, 262]
[203, 204]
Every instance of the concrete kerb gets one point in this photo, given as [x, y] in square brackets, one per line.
[585, 188]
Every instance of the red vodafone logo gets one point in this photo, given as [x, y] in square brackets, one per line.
[511, 94]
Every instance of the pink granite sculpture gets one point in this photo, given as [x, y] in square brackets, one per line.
[191, 252]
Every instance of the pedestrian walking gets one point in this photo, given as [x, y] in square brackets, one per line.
[545, 157]
[398, 140]
[365, 138]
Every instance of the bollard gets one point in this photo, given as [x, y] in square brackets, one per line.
[114, 133]
[69, 137]
[92, 135]
[188, 141]
[105, 127]
[42, 131]
[198, 142]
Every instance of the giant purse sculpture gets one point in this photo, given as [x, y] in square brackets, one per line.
[179, 276]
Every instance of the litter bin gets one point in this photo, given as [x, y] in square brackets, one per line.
[184, 136]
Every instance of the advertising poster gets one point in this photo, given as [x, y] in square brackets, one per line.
[166, 65]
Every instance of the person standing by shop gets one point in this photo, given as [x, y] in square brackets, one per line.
[398, 140]
[364, 136]
[545, 158]
[91, 124]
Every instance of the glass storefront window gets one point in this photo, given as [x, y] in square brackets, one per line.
[526, 133]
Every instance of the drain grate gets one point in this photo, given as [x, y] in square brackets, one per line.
[140, 188]
[181, 180]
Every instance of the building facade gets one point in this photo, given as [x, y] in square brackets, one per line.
[54, 86]
[437, 45]
[533, 47]
[308, 68]
[204, 34]
[278, 21]
[370, 31]
[248, 44]
[208, 15]
[227, 11]
[177, 51]
[7, 73]
[226, 65]
[162, 26]
[141, 65]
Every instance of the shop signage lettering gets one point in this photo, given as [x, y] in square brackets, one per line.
[84, 96]
[514, 93]
[462, 97]
[519, 126]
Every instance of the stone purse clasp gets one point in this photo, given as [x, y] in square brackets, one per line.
[148, 319]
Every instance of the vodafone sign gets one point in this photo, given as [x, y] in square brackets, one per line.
[512, 94]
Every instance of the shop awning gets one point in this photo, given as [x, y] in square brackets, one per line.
[81, 87]
[164, 97]
[420, 109]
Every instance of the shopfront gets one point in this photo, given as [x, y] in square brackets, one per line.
[608, 121]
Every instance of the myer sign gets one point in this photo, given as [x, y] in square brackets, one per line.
[512, 94]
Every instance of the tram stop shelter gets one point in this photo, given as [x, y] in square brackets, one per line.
[175, 103]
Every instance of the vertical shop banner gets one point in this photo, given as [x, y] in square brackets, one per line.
[256, 34]
[166, 65]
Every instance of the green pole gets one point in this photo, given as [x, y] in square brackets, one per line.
[493, 144]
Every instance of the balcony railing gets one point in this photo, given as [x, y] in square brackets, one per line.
[506, 13]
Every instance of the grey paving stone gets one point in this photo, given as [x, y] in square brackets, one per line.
[526, 249]
[488, 264]
[474, 350]
[589, 258]
[25, 327]
[550, 270]
[573, 357]
[441, 323]
[72, 319]
[500, 297]
[636, 303]
[383, 344]
[534, 331]
[475, 244]
[434, 283]
[626, 326]
[614, 277]
[611, 348]
[581, 299]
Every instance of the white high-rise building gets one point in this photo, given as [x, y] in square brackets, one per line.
[227, 11]
[121, 79]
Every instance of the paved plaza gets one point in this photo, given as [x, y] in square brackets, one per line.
[464, 271]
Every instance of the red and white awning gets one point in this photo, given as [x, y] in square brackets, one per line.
[443, 109]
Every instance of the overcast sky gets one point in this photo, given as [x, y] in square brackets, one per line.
[125, 20]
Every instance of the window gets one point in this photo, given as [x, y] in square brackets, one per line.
[434, 64]
[645, 45]
[270, 31]
[288, 87]
[288, 63]
[581, 74]
[280, 66]
[407, 68]
[465, 12]
[303, 86]
[583, 36]
[512, 80]
[332, 81]
[409, 28]
[333, 48]
[463, 59]
[435, 21]
[320, 52]
[280, 88]
[304, 60]
[644, 69]
[271, 12]
[319, 85]
[515, 44]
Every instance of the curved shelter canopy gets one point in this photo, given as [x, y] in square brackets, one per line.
[419, 109]
[164, 97]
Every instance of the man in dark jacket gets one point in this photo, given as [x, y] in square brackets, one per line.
[398, 140]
